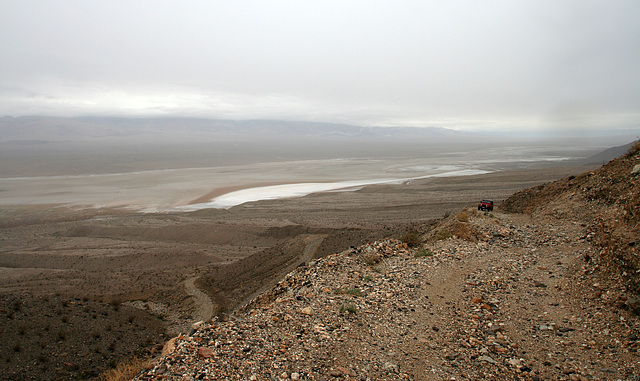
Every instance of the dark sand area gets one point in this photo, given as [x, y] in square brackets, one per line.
[84, 288]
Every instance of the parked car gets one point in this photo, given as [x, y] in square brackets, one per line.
[486, 205]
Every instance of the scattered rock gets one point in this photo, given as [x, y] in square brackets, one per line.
[205, 352]
[488, 359]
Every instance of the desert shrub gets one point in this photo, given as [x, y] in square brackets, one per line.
[462, 231]
[125, 370]
[424, 253]
[115, 303]
[634, 148]
[442, 234]
[372, 259]
[349, 307]
[412, 239]
[462, 217]
[17, 305]
[349, 291]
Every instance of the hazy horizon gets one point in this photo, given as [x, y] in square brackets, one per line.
[62, 146]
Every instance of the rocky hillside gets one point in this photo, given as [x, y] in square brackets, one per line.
[606, 203]
[543, 288]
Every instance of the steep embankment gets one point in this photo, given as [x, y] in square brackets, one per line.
[501, 296]
[606, 202]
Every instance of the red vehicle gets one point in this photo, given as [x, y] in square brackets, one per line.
[486, 205]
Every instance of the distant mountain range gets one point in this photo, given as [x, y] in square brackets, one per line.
[32, 129]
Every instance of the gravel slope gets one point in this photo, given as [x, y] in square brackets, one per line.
[511, 301]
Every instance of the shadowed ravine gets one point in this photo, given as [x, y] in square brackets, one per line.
[312, 242]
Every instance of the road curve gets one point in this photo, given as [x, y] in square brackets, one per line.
[204, 305]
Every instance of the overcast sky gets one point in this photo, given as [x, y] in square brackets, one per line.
[515, 65]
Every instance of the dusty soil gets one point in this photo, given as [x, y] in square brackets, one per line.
[110, 283]
[514, 301]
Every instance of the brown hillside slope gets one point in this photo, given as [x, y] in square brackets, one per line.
[607, 203]
[486, 296]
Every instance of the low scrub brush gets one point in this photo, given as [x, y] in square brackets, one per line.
[126, 370]
[350, 308]
[412, 239]
[424, 253]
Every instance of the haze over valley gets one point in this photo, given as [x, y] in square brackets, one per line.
[166, 163]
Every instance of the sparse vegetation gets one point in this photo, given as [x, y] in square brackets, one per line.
[372, 259]
[115, 303]
[349, 291]
[463, 216]
[424, 253]
[17, 305]
[126, 370]
[442, 234]
[412, 239]
[455, 229]
[41, 331]
[349, 307]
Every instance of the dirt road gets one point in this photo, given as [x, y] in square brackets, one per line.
[204, 305]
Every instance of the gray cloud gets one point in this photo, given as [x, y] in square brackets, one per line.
[462, 64]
